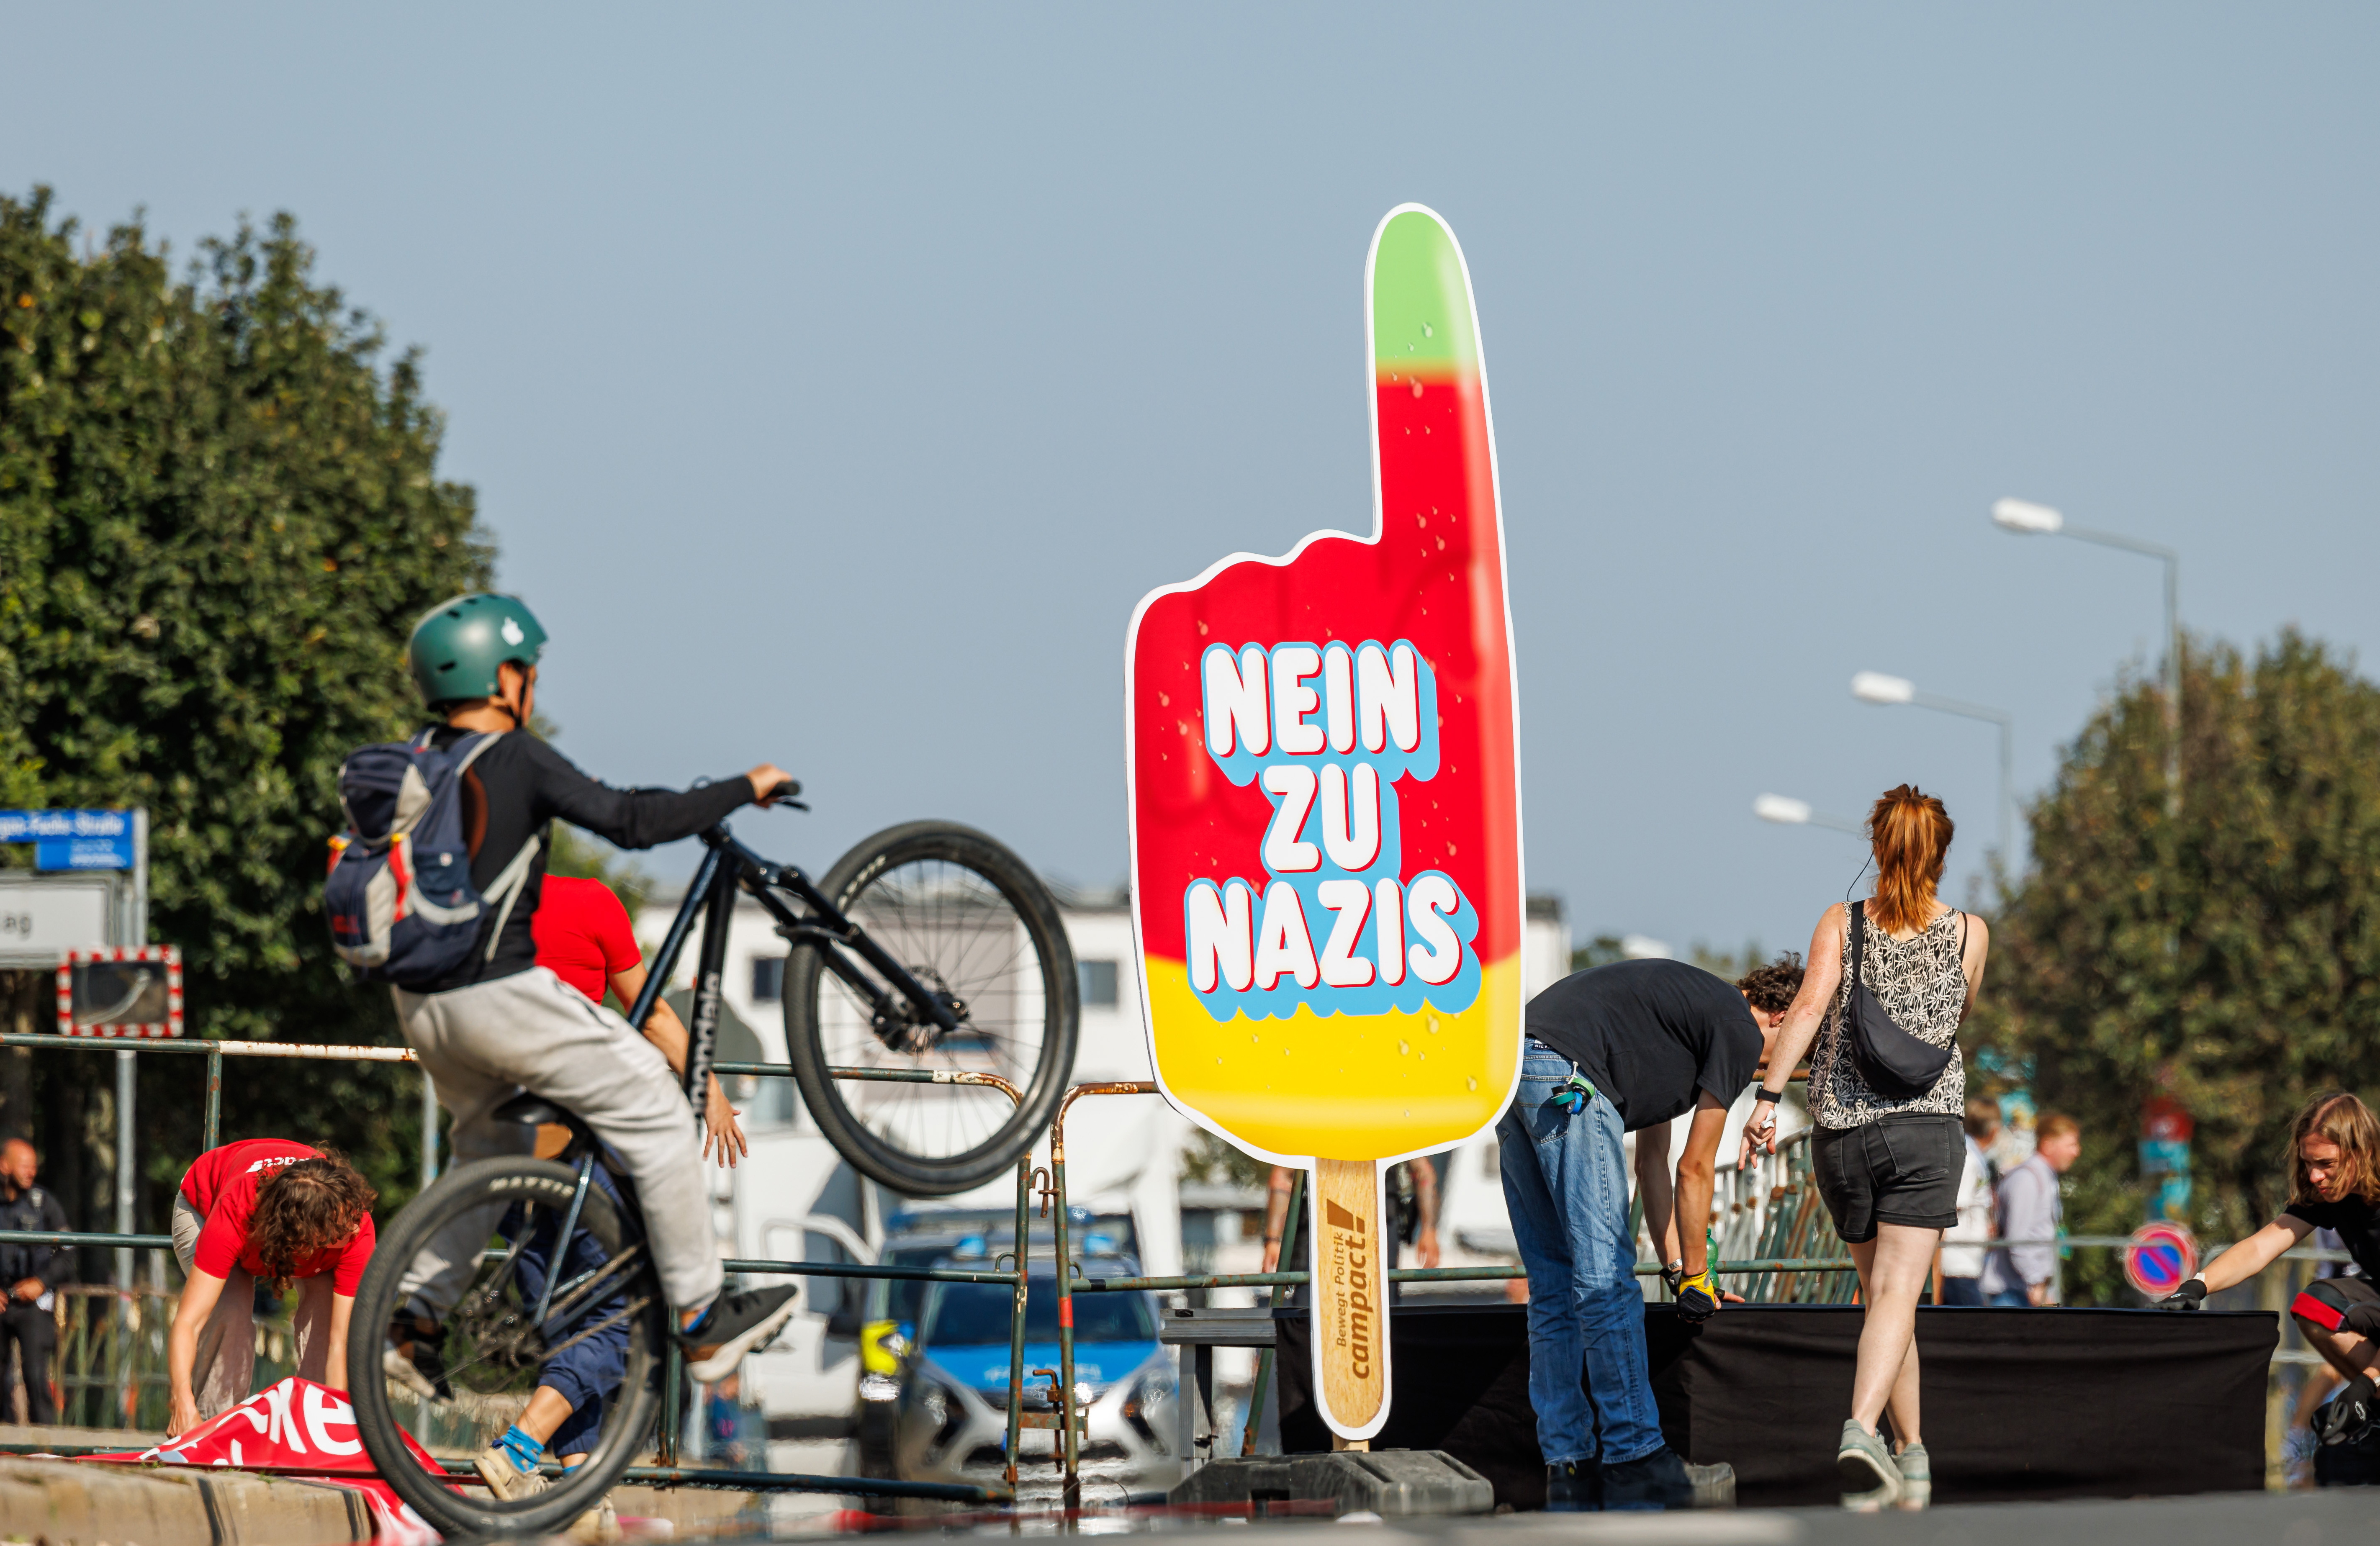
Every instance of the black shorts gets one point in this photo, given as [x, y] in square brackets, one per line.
[1894, 1170]
[2327, 1300]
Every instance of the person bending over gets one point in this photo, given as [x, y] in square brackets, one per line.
[503, 1023]
[1615, 1049]
[2334, 1184]
[276, 1211]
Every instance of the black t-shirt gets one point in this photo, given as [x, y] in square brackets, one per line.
[515, 788]
[2358, 1223]
[1651, 1034]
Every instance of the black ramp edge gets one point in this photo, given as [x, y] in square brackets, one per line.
[1392, 1483]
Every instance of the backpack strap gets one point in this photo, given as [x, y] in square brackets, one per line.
[1858, 940]
[509, 884]
[486, 739]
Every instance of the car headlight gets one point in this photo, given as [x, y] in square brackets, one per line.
[879, 1387]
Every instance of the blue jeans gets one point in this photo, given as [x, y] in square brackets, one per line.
[589, 1372]
[2007, 1298]
[1566, 1187]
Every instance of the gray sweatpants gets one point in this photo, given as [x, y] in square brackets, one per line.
[484, 1044]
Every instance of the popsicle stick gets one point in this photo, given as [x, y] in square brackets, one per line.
[1351, 1296]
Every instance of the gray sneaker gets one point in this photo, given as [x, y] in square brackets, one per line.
[1714, 1484]
[1916, 1470]
[1869, 1478]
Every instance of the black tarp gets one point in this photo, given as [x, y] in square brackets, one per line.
[2017, 1403]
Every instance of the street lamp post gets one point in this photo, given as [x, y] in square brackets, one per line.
[1876, 687]
[1786, 811]
[2026, 518]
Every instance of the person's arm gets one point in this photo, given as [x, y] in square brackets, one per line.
[342, 1309]
[1425, 1176]
[641, 817]
[1276, 1217]
[2252, 1255]
[1654, 1189]
[665, 1031]
[198, 1302]
[1810, 1005]
[1972, 959]
[1697, 1179]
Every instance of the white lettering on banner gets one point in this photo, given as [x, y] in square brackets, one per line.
[1293, 700]
[1430, 899]
[1282, 943]
[322, 1408]
[1222, 936]
[1351, 818]
[1387, 696]
[1349, 902]
[1391, 931]
[284, 1422]
[1236, 701]
[1285, 852]
[1339, 696]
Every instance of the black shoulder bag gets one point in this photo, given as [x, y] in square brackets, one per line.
[1894, 1063]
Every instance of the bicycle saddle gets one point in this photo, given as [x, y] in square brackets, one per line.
[531, 1111]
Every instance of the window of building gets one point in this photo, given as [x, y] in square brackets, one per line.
[1098, 984]
[768, 979]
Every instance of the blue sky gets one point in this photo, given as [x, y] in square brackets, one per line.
[835, 380]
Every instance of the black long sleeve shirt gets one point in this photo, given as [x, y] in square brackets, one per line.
[33, 1209]
[514, 790]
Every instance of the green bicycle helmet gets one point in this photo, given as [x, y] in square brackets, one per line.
[457, 648]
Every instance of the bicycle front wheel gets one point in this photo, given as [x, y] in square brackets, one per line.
[465, 1266]
[977, 927]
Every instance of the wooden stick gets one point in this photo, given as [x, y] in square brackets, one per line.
[1351, 1297]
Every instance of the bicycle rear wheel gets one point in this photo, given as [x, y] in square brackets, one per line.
[973, 923]
[490, 1226]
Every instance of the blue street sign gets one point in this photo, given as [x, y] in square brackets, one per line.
[25, 827]
[82, 854]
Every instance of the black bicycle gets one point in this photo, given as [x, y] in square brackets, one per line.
[929, 951]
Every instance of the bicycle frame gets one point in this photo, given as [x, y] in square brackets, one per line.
[728, 865]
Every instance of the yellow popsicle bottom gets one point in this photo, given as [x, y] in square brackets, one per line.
[1342, 1086]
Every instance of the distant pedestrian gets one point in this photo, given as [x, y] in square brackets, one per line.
[1891, 979]
[2031, 1210]
[1965, 1243]
[267, 1211]
[29, 1274]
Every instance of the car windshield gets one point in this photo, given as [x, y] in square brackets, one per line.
[975, 1314]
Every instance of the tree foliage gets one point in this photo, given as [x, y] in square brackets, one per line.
[2229, 957]
[220, 513]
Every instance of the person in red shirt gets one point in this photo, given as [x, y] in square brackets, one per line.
[266, 1209]
[583, 938]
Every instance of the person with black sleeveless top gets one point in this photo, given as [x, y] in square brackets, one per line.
[1890, 980]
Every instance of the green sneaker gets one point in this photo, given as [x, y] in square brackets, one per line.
[1869, 1478]
[1916, 1470]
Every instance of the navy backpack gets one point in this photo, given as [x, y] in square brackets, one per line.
[402, 905]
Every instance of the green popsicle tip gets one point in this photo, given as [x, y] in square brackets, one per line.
[1421, 306]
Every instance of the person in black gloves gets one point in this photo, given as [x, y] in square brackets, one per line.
[28, 1274]
[1628, 1047]
[2334, 1184]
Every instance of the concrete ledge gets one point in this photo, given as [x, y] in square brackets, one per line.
[63, 1502]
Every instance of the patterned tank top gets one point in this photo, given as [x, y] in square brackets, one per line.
[1922, 982]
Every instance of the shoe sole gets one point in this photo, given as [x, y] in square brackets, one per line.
[398, 1367]
[1856, 1470]
[720, 1364]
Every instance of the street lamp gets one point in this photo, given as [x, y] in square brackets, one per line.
[2028, 519]
[1786, 811]
[1876, 687]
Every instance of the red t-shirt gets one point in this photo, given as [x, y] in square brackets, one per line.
[583, 934]
[222, 1187]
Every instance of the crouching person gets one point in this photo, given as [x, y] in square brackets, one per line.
[2334, 1184]
[267, 1210]
[1611, 1050]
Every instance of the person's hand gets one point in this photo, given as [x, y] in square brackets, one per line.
[1271, 1256]
[765, 779]
[719, 1125]
[2037, 1295]
[2364, 1320]
[1426, 1246]
[30, 1288]
[1759, 1131]
[181, 1414]
[1698, 1299]
[2189, 1295]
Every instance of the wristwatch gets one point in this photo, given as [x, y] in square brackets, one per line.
[1766, 1094]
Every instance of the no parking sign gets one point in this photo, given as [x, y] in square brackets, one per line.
[2161, 1258]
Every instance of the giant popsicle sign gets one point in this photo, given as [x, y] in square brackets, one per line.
[1322, 755]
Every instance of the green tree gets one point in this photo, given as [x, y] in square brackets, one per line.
[2229, 958]
[220, 513]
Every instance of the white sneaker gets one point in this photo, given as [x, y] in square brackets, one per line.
[506, 1480]
[600, 1526]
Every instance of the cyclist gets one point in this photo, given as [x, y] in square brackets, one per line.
[503, 1023]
